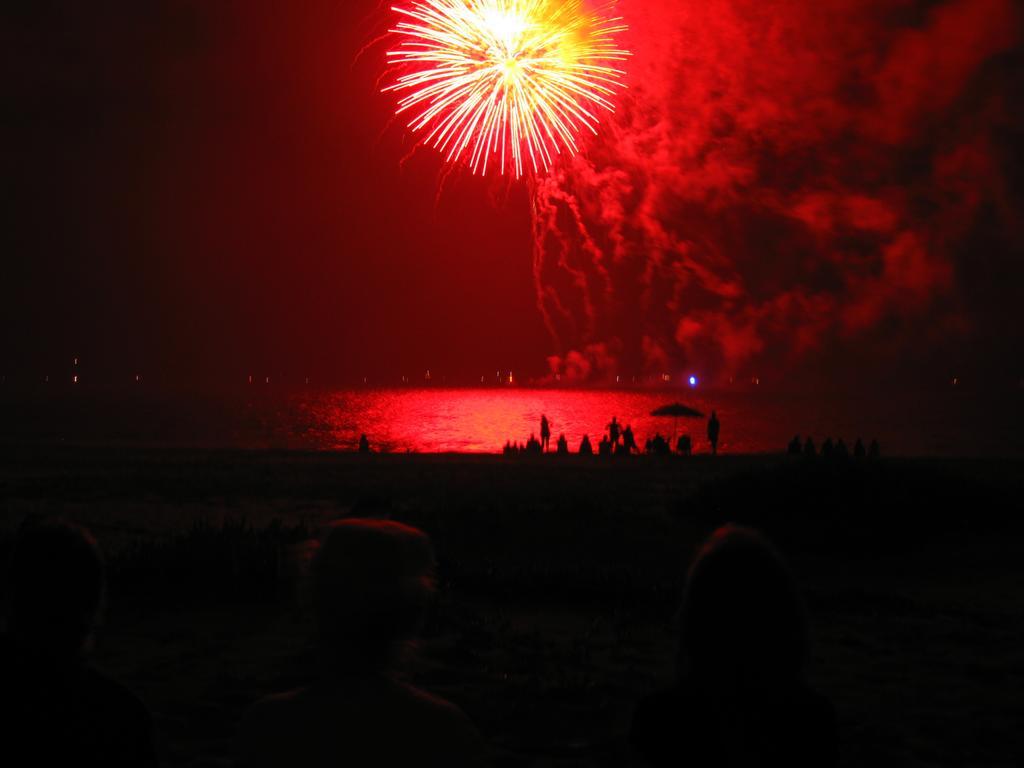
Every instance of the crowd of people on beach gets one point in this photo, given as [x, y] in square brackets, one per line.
[617, 440]
[739, 695]
[620, 441]
[836, 450]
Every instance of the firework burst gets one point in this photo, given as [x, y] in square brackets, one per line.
[511, 83]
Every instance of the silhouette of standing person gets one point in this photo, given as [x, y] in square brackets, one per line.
[586, 449]
[53, 705]
[545, 433]
[364, 444]
[628, 439]
[713, 429]
[613, 431]
[372, 580]
[740, 698]
[562, 446]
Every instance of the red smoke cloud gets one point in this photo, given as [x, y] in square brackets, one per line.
[783, 179]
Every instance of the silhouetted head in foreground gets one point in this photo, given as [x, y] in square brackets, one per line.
[53, 704]
[56, 587]
[740, 698]
[372, 580]
[742, 618]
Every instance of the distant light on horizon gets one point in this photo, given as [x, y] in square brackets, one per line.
[693, 381]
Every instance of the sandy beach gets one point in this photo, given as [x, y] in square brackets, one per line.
[558, 579]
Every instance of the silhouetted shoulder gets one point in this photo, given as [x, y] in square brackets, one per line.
[128, 724]
[791, 726]
[71, 715]
[361, 722]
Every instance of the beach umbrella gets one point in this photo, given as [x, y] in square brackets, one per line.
[677, 411]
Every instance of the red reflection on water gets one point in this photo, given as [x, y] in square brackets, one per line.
[481, 420]
[950, 422]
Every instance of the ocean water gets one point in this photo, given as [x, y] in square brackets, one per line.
[479, 420]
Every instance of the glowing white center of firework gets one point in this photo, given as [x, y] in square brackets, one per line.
[505, 25]
[503, 80]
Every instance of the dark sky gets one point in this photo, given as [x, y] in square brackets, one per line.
[212, 189]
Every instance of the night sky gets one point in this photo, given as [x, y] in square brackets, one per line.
[210, 189]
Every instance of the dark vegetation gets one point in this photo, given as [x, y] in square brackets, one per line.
[558, 583]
